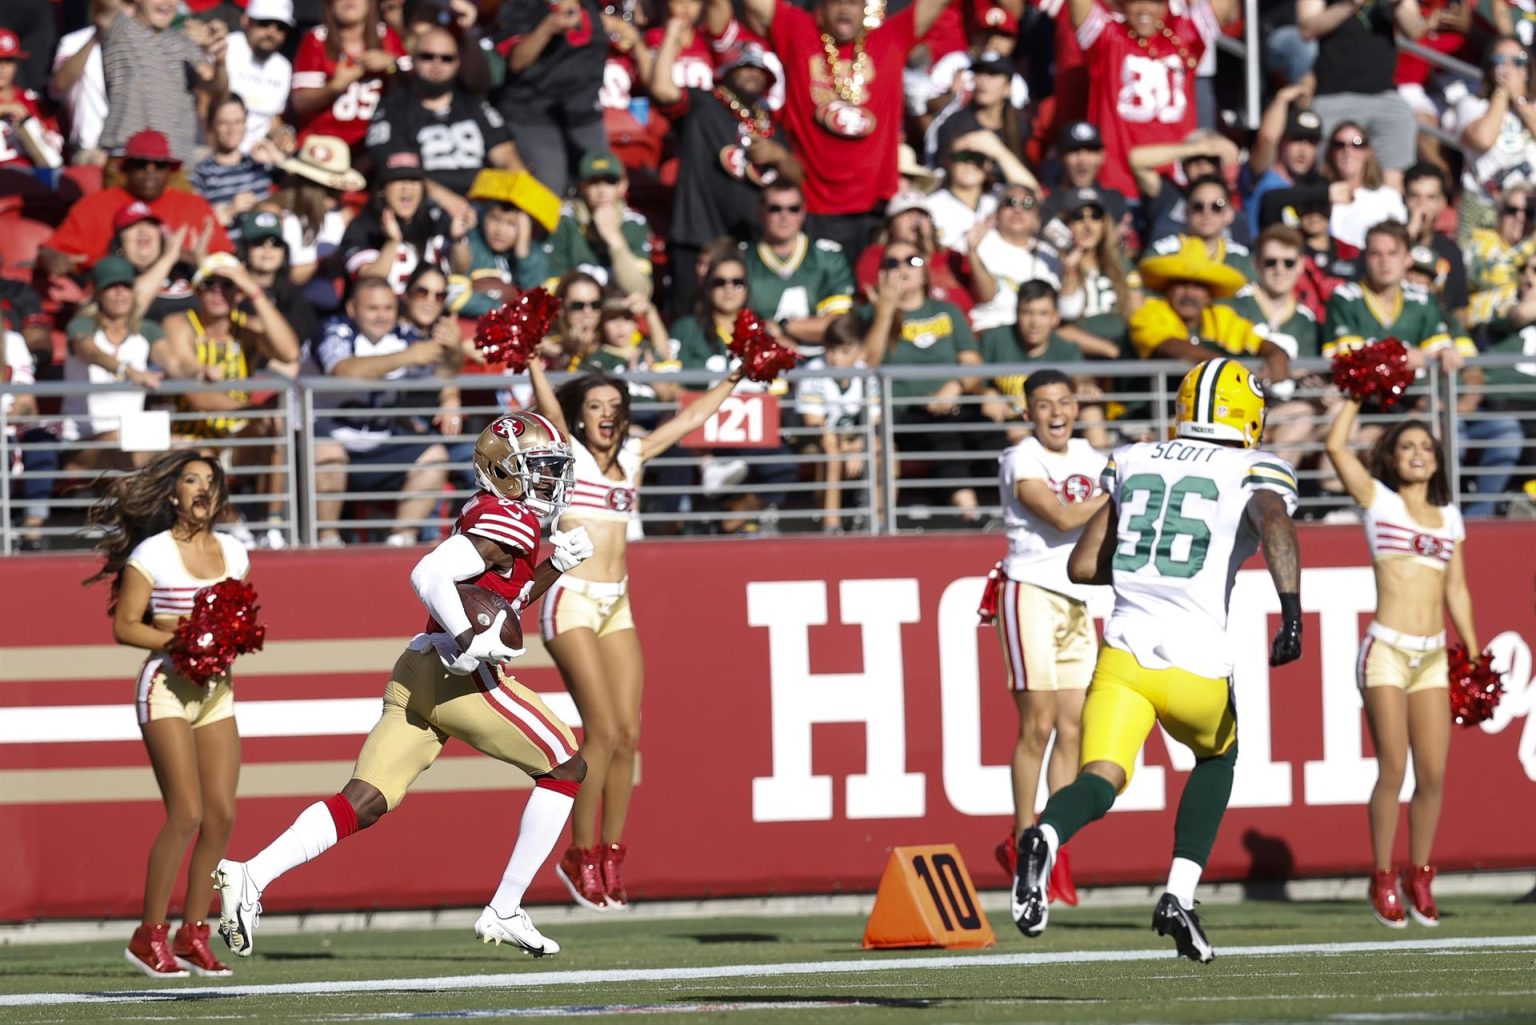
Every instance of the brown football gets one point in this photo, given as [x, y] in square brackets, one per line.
[481, 605]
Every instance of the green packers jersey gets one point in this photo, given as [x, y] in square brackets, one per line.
[575, 245]
[1299, 334]
[696, 346]
[1512, 342]
[814, 280]
[1356, 315]
[934, 333]
[1001, 345]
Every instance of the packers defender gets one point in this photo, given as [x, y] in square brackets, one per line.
[1182, 517]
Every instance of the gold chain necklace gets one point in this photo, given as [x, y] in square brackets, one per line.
[1168, 34]
[755, 122]
[853, 88]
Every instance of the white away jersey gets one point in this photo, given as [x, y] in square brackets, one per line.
[1183, 533]
[1037, 551]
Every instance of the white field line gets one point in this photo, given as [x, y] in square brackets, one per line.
[589, 977]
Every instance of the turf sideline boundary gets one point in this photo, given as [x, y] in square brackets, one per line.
[587, 977]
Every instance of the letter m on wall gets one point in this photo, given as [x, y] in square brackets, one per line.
[801, 699]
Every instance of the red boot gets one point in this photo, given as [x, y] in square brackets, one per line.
[190, 949]
[150, 952]
[1007, 854]
[613, 879]
[583, 876]
[1421, 902]
[1060, 886]
[1386, 905]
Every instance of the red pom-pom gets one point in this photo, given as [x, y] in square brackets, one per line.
[1376, 370]
[1475, 687]
[509, 334]
[222, 624]
[762, 357]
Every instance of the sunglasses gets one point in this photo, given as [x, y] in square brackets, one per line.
[436, 295]
[727, 282]
[1516, 211]
[1349, 142]
[1215, 206]
[782, 208]
[437, 58]
[969, 156]
[1519, 60]
[602, 179]
[893, 262]
[135, 164]
[267, 242]
[269, 23]
[1087, 213]
[1020, 202]
[1288, 262]
[217, 285]
[581, 305]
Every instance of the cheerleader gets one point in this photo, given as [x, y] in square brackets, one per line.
[159, 550]
[1416, 535]
[586, 620]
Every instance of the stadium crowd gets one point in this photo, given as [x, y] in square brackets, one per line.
[223, 191]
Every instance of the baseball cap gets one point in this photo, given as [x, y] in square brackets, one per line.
[259, 225]
[1079, 135]
[1424, 260]
[599, 164]
[401, 165]
[748, 55]
[10, 46]
[908, 200]
[112, 270]
[149, 145]
[213, 266]
[1073, 200]
[132, 214]
[992, 63]
[270, 10]
[1302, 123]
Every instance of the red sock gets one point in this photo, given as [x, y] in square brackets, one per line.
[343, 814]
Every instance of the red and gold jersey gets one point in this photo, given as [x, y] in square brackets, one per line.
[348, 115]
[1142, 91]
[13, 152]
[510, 524]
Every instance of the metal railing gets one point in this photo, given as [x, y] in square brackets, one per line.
[900, 466]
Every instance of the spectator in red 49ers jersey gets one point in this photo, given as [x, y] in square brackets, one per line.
[341, 69]
[843, 106]
[1141, 74]
[17, 106]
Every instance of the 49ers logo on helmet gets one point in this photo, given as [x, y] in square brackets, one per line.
[1076, 489]
[1427, 545]
[508, 427]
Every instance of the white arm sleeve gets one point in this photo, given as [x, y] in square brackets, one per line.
[436, 575]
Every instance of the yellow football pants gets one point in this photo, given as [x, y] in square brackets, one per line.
[1125, 699]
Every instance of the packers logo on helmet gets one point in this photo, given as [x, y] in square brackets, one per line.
[524, 456]
[1219, 400]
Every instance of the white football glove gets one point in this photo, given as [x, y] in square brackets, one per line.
[464, 664]
[487, 645]
[571, 548]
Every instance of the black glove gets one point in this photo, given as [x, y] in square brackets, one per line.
[1286, 647]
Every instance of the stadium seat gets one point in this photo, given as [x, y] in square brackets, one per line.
[87, 177]
[20, 238]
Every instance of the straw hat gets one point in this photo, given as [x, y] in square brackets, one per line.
[924, 178]
[1191, 263]
[327, 160]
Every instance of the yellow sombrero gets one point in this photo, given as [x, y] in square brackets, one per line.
[522, 190]
[1190, 263]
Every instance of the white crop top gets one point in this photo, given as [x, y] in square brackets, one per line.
[1391, 532]
[597, 497]
[159, 559]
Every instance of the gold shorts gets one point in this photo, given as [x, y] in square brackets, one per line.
[425, 704]
[163, 693]
[595, 605]
[1392, 659]
[1048, 639]
[1125, 699]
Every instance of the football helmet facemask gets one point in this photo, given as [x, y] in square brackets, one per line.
[1219, 400]
[524, 456]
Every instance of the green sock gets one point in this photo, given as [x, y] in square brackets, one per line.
[1204, 803]
[1086, 799]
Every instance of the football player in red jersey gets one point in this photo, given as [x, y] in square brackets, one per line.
[450, 682]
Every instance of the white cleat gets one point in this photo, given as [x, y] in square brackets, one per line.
[517, 930]
[239, 906]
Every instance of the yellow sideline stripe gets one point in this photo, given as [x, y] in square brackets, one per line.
[278, 658]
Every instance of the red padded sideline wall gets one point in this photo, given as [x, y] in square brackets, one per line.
[809, 704]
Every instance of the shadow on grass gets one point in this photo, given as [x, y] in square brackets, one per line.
[728, 937]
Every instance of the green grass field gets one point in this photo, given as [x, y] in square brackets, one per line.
[1276, 962]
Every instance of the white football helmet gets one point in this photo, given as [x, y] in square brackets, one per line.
[524, 456]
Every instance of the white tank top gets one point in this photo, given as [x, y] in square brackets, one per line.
[1391, 532]
[594, 495]
[174, 586]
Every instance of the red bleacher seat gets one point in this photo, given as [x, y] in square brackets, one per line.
[87, 177]
[20, 238]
